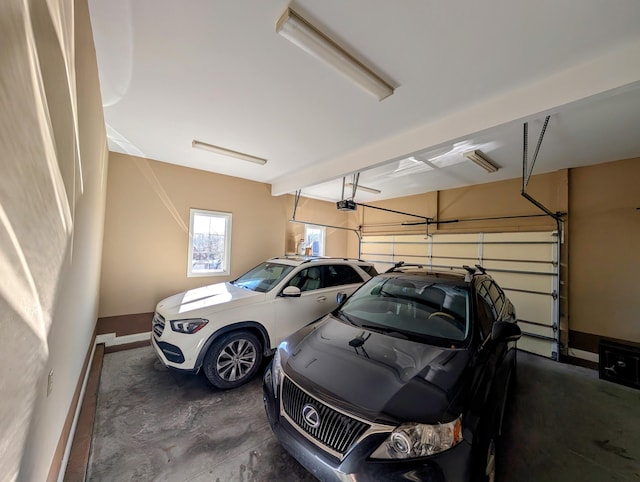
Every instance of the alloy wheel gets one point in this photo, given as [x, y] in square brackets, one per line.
[236, 360]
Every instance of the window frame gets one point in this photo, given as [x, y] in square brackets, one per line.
[226, 260]
[323, 236]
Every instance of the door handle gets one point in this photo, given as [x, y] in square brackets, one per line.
[321, 298]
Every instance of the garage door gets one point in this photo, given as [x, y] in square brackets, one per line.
[525, 265]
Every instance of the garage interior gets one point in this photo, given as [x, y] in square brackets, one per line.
[101, 105]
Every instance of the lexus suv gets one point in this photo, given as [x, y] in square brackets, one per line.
[405, 380]
[226, 328]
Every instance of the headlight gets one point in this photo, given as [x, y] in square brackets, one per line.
[190, 325]
[412, 440]
[276, 373]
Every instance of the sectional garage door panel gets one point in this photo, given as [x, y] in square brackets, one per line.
[525, 264]
[532, 308]
[534, 345]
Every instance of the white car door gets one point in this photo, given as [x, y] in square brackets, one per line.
[316, 298]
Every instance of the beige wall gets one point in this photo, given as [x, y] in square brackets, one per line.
[497, 199]
[147, 229]
[52, 190]
[148, 208]
[320, 212]
[604, 260]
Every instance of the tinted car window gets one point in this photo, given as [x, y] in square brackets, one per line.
[369, 269]
[497, 297]
[485, 317]
[340, 274]
[483, 292]
[413, 307]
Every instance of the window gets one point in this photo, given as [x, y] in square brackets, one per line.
[497, 297]
[314, 239]
[325, 276]
[485, 316]
[263, 277]
[209, 243]
[340, 274]
[484, 288]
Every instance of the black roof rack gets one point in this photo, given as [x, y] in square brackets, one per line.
[308, 259]
[402, 264]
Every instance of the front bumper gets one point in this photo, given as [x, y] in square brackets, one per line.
[452, 465]
[177, 351]
[170, 355]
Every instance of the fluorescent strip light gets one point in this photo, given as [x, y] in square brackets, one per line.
[364, 188]
[300, 32]
[227, 152]
[481, 160]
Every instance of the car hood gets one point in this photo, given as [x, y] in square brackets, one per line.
[207, 299]
[386, 379]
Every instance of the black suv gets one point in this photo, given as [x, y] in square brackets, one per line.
[406, 380]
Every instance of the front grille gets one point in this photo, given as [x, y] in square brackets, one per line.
[335, 430]
[157, 325]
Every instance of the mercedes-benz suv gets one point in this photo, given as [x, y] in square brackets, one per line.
[226, 328]
[406, 380]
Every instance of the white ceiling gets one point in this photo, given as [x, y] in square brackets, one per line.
[468, 74]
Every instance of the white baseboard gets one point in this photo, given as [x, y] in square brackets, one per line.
[584, 355]
[110, 339]
[74, 424]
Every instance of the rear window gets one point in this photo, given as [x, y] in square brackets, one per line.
[411, 307]
[369, 269]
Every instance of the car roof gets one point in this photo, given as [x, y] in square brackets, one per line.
[459, 276]
[298, 260]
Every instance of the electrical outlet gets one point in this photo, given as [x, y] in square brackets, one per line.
[50, 382]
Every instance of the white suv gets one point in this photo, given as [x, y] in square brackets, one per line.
[226, 328]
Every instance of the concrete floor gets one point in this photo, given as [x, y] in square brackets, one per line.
[152, 424]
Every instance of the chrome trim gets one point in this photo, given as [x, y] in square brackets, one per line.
[157, 325]
[373, 427]
[311, 416]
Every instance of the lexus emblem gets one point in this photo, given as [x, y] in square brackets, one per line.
[311, 416]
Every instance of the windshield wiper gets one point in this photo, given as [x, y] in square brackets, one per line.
[387, 330]
[343, 316]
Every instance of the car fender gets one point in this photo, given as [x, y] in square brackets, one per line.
[253, 326]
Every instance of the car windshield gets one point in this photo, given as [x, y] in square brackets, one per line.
[410, 306]
[263, 277]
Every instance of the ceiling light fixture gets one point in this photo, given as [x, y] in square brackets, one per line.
[227, 152]
[481, 160]
[364, 188]
[300, 32]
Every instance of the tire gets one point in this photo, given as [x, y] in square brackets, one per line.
[233, 359]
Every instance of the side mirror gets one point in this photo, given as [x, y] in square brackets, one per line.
[291, 292]
[504, 331]
[340, 297]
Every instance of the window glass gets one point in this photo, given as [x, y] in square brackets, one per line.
[411, 307]
[483, 288]
[340, 274]
[263, 277]
[370, 270]
[485, 317]
[314, 239]
[209, 243]
[307, 279]
[497, 297]
[310, 279]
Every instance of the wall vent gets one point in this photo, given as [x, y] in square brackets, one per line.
[620, 363]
